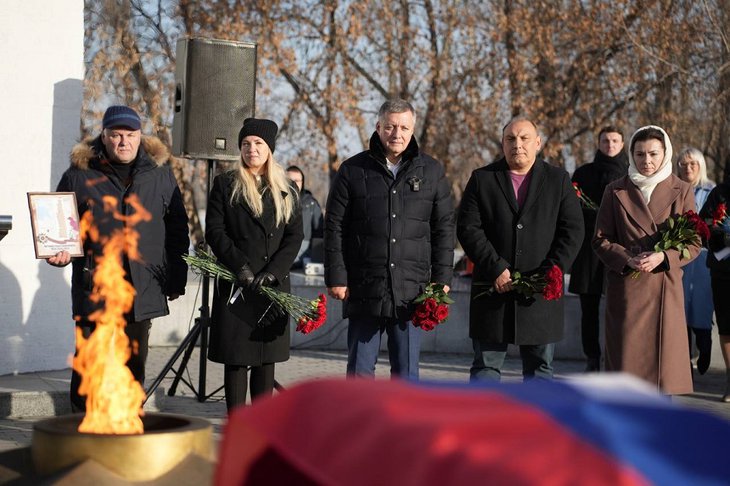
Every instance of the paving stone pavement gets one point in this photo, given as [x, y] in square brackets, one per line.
[305, 364]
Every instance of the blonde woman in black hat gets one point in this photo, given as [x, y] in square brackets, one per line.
[254, 227]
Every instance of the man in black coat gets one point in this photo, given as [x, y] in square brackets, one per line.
[586, 276]
[312, 220]
[118, 165]
[518, 214]
[389, 232]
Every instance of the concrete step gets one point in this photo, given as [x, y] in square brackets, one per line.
[45, 394]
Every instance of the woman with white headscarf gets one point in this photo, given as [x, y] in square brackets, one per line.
[645, 323]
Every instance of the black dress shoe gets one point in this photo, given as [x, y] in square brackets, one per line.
[593, 365]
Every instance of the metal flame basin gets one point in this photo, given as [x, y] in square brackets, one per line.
[167, 440]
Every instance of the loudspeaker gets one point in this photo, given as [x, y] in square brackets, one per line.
[215, 88]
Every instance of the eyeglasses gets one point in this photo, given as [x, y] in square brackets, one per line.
[684, 165]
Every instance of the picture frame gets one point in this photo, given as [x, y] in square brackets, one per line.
[54, 218]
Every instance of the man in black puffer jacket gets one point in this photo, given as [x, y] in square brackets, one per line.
[389, 232]
[120, 164]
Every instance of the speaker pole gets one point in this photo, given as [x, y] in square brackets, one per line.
[198, 332]
[205, 309]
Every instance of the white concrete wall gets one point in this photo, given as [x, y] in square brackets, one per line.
[41, 47]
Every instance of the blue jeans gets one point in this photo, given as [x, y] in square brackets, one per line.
[363, 345]
[537, 361]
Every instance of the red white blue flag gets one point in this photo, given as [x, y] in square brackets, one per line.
[602, 430]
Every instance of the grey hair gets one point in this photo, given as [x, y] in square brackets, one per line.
[696, 155]
[396, 105]
[521, 118]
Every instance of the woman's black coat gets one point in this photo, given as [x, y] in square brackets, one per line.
[238, 334]
[720, 194]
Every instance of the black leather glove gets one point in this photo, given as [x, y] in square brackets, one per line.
[273, 313]
[263, 279]
[245, 276]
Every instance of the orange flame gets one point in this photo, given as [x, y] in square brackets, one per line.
[113, 397]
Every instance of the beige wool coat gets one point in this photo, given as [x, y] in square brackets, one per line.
[646, 330]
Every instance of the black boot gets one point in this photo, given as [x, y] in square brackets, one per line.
[593, 365]
[703, 339]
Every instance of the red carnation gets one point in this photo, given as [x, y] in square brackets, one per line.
[584, 200]
[577, 189]
[311, 321]
[431, 307]
[719, 214]
[698, 224]
[305, 326]
[553, 289]
[441, 312]
[421, 312]
[428, 324]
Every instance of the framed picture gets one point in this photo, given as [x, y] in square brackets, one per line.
[54, 217]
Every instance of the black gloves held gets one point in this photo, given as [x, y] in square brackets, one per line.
[245, 276]
[263, 279]
[271, 316]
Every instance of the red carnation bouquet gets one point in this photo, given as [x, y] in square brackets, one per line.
[308, 314]
[719, 215]
[549, 284]
[686, 229]
[720, 223]
[306, 323]
[432, 308]
[681, 232]
[584, 200]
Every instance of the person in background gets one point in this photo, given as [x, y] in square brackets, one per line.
[121, 163]
[313, 223]
[389, 232]
[646, 331]
[691, 168]
[586, 275]
[254, 228]
[718, 260]
[518, 214]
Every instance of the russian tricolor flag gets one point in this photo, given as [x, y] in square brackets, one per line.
[594, 430]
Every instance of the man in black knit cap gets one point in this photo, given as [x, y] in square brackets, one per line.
[118, 164]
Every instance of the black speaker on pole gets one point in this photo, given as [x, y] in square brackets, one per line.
[215, 87]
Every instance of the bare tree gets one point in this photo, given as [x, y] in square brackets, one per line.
[468, 66]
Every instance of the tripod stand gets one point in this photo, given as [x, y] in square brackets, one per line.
[199, 330]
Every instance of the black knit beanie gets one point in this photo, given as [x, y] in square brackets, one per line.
[266, 129]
